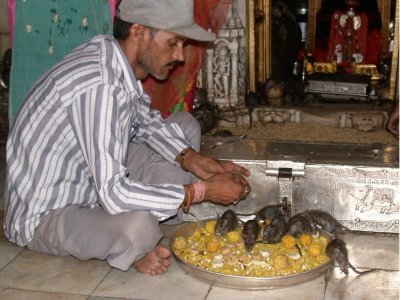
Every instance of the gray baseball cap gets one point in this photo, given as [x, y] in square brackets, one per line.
[175, 16]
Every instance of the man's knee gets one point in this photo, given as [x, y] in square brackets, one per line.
[189, 125]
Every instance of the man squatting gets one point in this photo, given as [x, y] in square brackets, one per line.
[91, 169]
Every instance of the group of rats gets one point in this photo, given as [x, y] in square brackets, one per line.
[277, 221]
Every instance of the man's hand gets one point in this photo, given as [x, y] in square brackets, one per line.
[205, 167]
[224, 180]
[226, 188]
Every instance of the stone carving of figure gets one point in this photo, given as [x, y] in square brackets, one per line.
[222, 68]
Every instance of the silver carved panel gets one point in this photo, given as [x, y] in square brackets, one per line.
[337, 88]
[361, 198]
[359, 185]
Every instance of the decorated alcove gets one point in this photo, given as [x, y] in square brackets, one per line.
[271, 57]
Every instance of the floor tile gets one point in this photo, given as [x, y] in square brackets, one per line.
[8, 253]
[174, 284]
[168, 230]
[371, 286]
[312, 290]
[104, 298]
[373, 250]
[5, 242]
[45, 273]
[11, 294]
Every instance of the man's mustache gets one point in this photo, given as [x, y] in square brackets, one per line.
[173, 63]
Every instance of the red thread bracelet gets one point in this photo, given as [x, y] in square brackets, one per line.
[199, 191]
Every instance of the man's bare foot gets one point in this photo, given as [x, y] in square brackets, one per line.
[155, 262]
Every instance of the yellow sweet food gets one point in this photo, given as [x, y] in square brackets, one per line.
[306, 239]
[227, 254]
[210, 226]
[288, 242]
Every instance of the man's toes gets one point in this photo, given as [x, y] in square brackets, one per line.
[158, 270]
[165, 262]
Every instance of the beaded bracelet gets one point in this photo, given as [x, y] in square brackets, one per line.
[181, 157]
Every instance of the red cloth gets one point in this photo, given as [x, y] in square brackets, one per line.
[11, 21]
[177, 93]
[338, 35]
[374, 47]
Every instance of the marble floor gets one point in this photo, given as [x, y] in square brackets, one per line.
[28, 275]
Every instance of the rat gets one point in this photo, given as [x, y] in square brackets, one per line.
[271, 212]
[324, 220]
[274, 232]
[250, 233]
[336, 249]
[228, 221]
[300, 224]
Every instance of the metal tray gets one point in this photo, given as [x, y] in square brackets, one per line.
[243, 282]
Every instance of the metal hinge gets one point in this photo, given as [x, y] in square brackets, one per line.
[286, 171]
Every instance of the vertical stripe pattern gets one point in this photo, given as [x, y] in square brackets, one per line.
[69, 142]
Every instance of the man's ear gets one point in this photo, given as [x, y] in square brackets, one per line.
[136, 32]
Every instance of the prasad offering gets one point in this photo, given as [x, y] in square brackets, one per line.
[230, 254]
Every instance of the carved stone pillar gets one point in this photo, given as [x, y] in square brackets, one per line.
[226, 55]
[233, 97]
[210, 78]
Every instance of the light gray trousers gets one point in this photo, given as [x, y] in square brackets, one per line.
[87, 233]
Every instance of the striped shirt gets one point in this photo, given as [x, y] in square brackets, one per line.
[69, 142]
